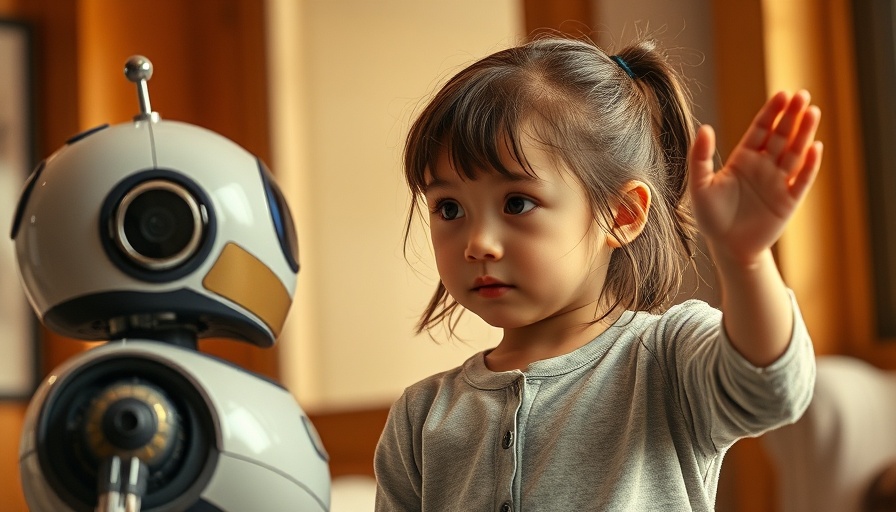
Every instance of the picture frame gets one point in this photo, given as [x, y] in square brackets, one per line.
[19, 332]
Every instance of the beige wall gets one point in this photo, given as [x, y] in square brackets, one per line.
[347, 76]
[684, 27]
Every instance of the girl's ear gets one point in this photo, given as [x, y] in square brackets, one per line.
[630, 214]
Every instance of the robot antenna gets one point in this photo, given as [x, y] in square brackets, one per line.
[138, 69]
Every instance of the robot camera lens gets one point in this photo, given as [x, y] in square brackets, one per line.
[153, 222]
[158, 224]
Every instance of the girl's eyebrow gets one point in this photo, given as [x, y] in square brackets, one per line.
[437, 183]
[434, 183]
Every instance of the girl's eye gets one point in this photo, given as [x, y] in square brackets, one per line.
[449, 210]
[517, 205]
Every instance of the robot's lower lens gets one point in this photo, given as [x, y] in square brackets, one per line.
[159, 224]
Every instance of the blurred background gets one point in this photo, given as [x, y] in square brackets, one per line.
[324, 92]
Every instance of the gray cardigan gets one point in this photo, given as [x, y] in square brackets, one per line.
[638, 419]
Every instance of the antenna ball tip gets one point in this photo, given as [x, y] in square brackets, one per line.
[138, 68]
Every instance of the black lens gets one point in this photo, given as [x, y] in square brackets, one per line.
[159, 224]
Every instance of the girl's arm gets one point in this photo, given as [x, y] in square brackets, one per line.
[398, 480]
[742, 210]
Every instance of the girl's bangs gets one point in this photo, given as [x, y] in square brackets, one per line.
[479, 127]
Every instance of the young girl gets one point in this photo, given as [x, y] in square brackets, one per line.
[559, 183]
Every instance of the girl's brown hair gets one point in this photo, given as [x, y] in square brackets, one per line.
[609, 122]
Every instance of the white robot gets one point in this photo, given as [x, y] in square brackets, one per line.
[153, 234]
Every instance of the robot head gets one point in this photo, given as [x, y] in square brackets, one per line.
[156, 228]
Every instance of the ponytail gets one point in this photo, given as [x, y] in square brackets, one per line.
[660, 89]
[675, 126]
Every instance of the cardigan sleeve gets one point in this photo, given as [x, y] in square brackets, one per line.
[761, 399]
[398, 477]
[722, 395]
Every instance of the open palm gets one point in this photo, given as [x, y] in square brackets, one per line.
[743, 208]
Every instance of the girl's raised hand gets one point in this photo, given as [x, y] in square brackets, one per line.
[743, 208]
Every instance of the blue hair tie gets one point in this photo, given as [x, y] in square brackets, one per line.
[624, 65]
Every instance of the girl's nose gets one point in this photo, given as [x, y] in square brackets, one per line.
[483, 244]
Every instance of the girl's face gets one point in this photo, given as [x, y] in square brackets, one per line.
[517, 251]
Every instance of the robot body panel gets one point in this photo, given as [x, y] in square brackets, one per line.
[288, 494]
[266, 445]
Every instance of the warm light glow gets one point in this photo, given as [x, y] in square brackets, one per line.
[343, 91]
[790, 31]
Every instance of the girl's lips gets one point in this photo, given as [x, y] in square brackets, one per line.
[489, 287]
[481, 281]
[493, 291]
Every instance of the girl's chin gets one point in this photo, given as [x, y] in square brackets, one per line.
[502, 321]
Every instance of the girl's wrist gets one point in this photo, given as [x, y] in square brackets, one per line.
[726, 261]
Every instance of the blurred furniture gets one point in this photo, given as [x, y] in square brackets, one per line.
[350, 437]
[353, 493]
[845, 442]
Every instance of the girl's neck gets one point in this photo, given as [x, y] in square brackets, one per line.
[524, 345]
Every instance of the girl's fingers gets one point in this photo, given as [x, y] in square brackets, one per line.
[700, 165]
[758, 133]
[807, 173]
[783, 132]
[802, 141]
